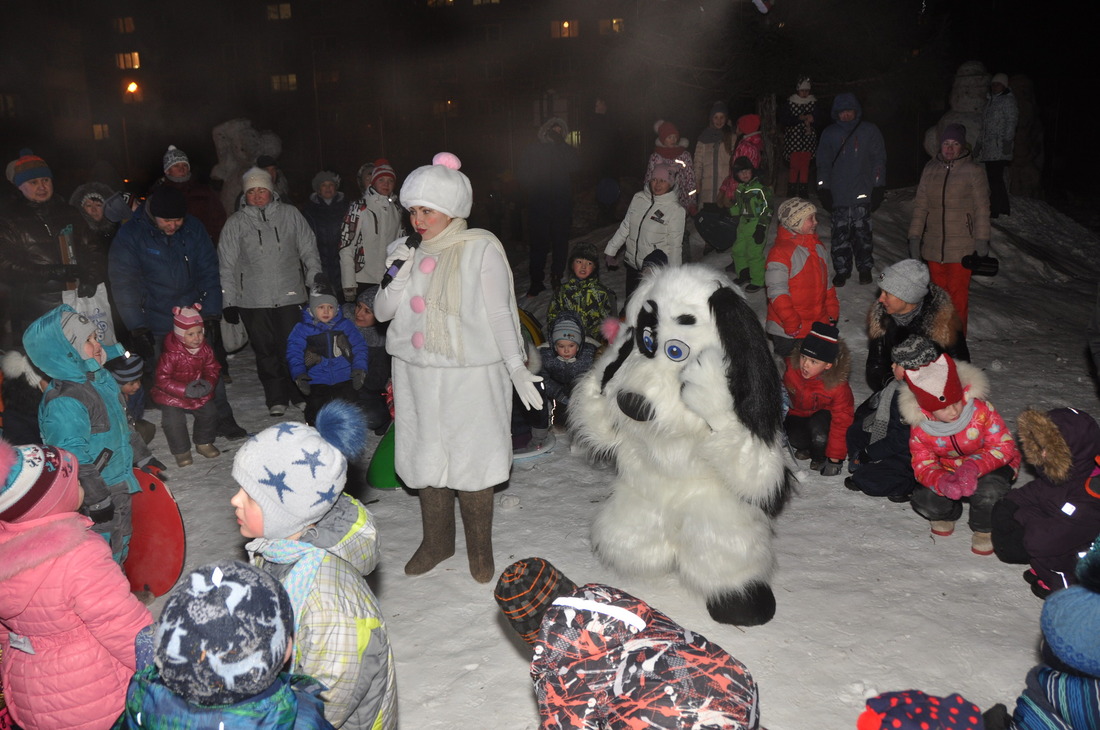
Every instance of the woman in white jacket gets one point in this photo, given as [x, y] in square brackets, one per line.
[654, 221]
[457, 353]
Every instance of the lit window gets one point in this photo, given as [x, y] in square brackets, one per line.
[278, 11]
[284, 82]
[614, 25]
[124, 25]
[101, 131]
[440, 3]
[128, 60]
[564, 29]
[486, 2]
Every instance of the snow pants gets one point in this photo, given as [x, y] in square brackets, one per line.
[173, 421]
[991, 487]
[809, 433]
[747, 253]
[852, 239]
[955, 280]
[268, 331]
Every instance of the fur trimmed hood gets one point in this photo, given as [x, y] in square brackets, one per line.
[544, 130]
[938, 320]
[834, 376]
[1062, 444]
[15, 364]
[975, 386]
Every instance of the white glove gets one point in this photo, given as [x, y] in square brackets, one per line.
[524, 382]
[401, 251]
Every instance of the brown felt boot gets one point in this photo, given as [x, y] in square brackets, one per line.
[437, 516]
[477, 523]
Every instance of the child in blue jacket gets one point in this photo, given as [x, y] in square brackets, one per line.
[326, 354]
[82, 411]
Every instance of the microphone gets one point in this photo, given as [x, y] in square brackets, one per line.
[412, 242]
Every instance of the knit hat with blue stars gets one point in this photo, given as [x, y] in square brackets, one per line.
[295, 472]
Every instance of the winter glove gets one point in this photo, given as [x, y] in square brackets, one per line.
[831, 468]
[962, 482]
[85, 289]
[826, 196]
[154, 466]
[101, 512]
[914, 249]
[358, 377]
[142, 342]
[877, 196]
[349, 294]
[232, 315]
[612, 263]
[320, 281]
[311, 358]
[524, 382]
[302, 381]
[198, 389]
[758, 235]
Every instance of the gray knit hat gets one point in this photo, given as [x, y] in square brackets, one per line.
[325, 176]
[296, 472]
[223, 634]
[793, 211]
[567, 327]
[76, 328]
[367, 296]
[907, 280]
[915, 352]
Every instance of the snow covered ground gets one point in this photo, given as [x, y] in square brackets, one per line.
[868, 600]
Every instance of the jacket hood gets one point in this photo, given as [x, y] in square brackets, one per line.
[26, 545]
[834, 376]
[1061, 444]
[588, 252]
[544, 130]
[347, 531]
[975, 386]
[51, 352]
[846, 101]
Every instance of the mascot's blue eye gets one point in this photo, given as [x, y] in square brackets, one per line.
[648, 342]
[676, 350]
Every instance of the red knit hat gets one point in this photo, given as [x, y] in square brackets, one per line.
[382, 168]
[748, 123]
[664, 129]
[936, 385]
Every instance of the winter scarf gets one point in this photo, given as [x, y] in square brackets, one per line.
[904, 320]
[878, 422]
[307, 561]
[939, 428]
[711, 135]
[670, 153]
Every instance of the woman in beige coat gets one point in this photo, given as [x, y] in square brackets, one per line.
[951, 216]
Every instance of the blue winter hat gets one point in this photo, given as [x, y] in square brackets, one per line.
[296, 472]
[1071, 617]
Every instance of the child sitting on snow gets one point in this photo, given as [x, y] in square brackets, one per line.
[67, 617]
[1051, 520]
[583, 293]
[326, 354]
[565, 358]
[187, 373]
[816, 380]
[219, 646]
[319, 543]
[960, 448]
[878, 439]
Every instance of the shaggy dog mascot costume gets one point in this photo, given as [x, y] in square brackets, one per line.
[688, 401]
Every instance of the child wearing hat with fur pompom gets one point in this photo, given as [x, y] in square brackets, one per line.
[960, 447]
[218, 650]
[319, 543]
[187, 373]
[67, 617]
[822, 404]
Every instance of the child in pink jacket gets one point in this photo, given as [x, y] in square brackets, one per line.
[67, 617]
[960, 446]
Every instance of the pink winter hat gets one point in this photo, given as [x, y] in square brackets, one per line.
[184, 318]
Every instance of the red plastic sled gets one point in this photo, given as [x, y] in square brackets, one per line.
[158, 544]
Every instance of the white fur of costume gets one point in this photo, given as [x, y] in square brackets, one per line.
[688, 401]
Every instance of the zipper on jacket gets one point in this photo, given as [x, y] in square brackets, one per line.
[645, 217]
[943, 216]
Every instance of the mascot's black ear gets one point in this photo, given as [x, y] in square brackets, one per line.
[752, 378]
[624, 352]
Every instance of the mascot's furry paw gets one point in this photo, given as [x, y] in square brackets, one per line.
[687, 401]
[752, 607]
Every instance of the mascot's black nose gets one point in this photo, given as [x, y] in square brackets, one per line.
[635, 406]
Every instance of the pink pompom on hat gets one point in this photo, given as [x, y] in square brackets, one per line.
[936, 385]
[184, 318]
[439, 186]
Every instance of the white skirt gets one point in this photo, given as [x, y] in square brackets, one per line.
[452, 425]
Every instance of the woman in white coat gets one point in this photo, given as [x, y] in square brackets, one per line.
[457, 353]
